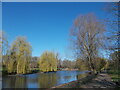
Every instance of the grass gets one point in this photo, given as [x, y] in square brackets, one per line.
[114, 75]
[115, 78]
[4, 71]
[35, 69]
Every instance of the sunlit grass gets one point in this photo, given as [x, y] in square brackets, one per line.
[114, 75]
[35, 69]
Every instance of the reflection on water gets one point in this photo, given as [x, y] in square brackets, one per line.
[47, 80]
[14, 82]
[41, 80]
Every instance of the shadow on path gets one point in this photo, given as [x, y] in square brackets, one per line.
[103, 80]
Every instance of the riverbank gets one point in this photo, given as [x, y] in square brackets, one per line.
[77, 83]
[14, 74]
[4, 72]
[33, 72]
[115, 76]
[101, 80]
[67, 69]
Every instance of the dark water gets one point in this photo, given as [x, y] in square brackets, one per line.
[41, 80]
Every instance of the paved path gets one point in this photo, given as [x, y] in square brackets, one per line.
[103, 80]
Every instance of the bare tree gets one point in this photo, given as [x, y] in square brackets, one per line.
[4, 47]
[87, 36]
[113, 22]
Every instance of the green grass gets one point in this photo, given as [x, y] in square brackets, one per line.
[35, 69]
[115, 78]
[114, 75]
[0, 69]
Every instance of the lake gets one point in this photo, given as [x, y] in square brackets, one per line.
[41, 80]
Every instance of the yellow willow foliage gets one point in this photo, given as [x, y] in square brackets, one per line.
[11, 62]
[47, 80]
[10, 66]
[48, 62]
[23, 51]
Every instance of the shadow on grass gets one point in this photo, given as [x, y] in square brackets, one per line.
[115, 76]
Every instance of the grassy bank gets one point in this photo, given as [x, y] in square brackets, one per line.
[115, 76]
[4, 71]
[32, 70]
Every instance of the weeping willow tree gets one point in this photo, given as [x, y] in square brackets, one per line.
[12, 62]
[48, 62]
[20, 56]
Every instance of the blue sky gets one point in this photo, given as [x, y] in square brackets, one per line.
[46, 25]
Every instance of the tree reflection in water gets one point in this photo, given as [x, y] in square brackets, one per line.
[15, 82]
[47, 80]
[41, 80]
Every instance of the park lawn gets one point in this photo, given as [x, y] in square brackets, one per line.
[115, 75]
[0, 69]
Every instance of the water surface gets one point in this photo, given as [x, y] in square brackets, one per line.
[41, 80]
